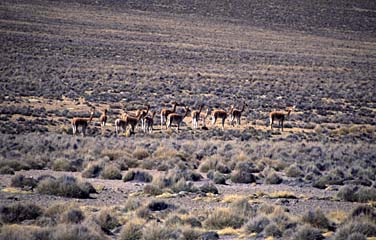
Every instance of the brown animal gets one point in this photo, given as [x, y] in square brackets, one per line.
[103, 118]
[127, 120]
[236, 114]
[280, 116]
[165, 112]
[196, 116]
[82, 122]
[177, 118]
[222, 114]
[148, 123]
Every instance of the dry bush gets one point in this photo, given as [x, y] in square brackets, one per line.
[152, 190]
[21, 181]
[308, 233]
[282, 219]
[22, 232]
[140, 153]
[242, 176]
[223, 217]
[64, 186]
[356, 236]
[16, 165]
[208, 188]
[273, 178]
[131, 231]
[183, 186]
[364, 227]
[76, 232]
[63, 164]
[107, 220]
[257, 224]
[357, 194]
[155, 231]
[6, 170]
[316, 219]
[219, 178]
[189, 233]
[131, 204]
[242, 207]
[72, 216]
[364, 211]
[140, 176]
[294, 171]
[92, 170]
[157, 205]
[209, 164]
[18, 212]
[111, 172]
[272, 230]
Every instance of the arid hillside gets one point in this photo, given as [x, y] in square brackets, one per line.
[61, 60]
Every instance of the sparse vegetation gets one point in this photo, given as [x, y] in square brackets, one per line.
[64, 186]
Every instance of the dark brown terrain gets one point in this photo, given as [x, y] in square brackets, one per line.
[315, 180]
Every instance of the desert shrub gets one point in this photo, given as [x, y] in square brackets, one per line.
[242, 176]
[193, 222]
[223, 169]
[87, 187]
[143, 212]
[92, 171]
[223, 217]
[364, 211]
[209, 236]
[366, 194]
[14, 164]
[242, 207]
[155, 231]
[363, 227]
[308, 233]
[294, 171]
[22, 232]
[316, 219]
[21, 181]
[62, 164]
[131, 204]
[209, 188]
[208, 164]
[131, 231]
[272, 230]
[189, 233]
[140, 176]
[219, 178]
[111, 172]
[75, 231]
[266, 208]
[107, 220]
[183, 186]
[281, 218]
[6, 170]
[64, 186]
[18, 212]
[173, 221]
[357, 194]
[356, 236]
[158, 206]
[152, 189]
[257, 224]
[74, 215]
[273, 178]
[247, 166]
[140, 153]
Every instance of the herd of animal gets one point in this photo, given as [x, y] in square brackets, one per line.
[169, 117]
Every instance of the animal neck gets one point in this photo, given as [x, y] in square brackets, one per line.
[199, 110]
[174, 108]
[91, 117]
[242, 110]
